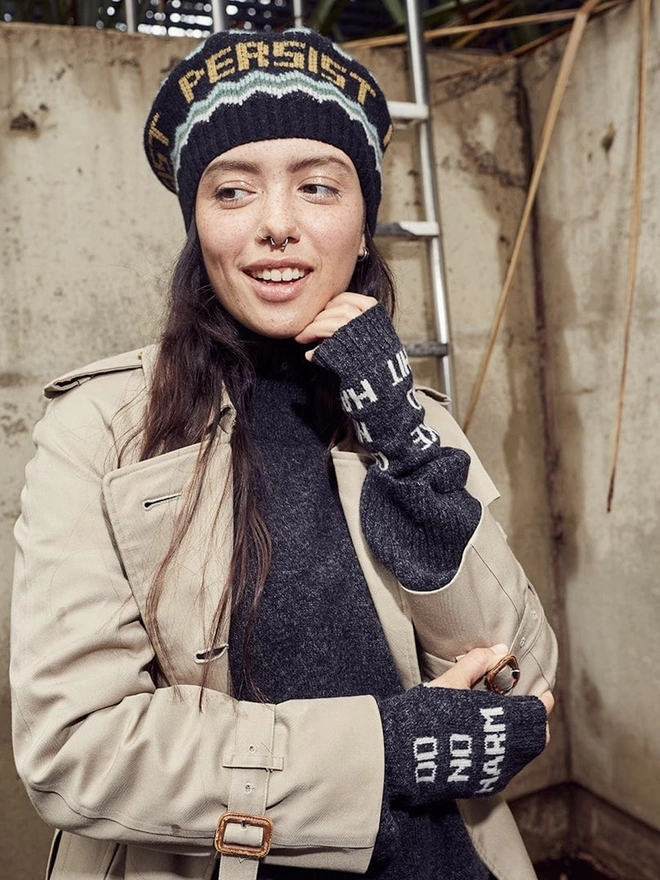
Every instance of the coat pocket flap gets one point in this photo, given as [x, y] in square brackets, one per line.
[143, 502]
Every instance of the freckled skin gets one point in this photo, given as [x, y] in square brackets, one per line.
[305, 191]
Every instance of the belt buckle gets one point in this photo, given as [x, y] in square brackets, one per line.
[246, 850]
[492, 685]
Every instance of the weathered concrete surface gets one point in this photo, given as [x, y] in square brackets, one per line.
[89, 236]
[570, 821]
[610, 562]
[482, 175]
[79, 261]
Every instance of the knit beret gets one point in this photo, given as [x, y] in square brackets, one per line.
[243, 86]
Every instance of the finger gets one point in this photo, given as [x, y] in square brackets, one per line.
[338, 311]
[360, 301]
[467, 671]
[326, 323]
[548, 701]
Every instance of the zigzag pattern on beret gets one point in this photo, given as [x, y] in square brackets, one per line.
[239, 87]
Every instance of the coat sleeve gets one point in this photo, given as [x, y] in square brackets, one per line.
[106, 753]
[489, 600]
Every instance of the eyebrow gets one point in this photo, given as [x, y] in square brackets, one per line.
[225, 165]
[322, 161]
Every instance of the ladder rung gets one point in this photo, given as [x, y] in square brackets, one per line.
[426, 349]
[409, 229]
[408, 110]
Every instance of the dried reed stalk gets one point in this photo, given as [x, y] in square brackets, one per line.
[525, 48]
[565, 69]
[478, 26]
[470, 34]
[635, 226]
[515, 21]
[518, 52]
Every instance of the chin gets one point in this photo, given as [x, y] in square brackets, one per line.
[279, 334]
[280, 329]
[270, 332]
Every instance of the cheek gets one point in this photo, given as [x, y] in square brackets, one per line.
[218, 250]
[347, 245]
[221, 235]
[343, 238]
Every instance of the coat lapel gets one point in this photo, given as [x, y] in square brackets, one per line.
[145, 502]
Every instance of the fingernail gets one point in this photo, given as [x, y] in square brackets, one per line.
[500, 649]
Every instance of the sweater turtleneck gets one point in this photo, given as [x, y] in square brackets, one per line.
[316, 632]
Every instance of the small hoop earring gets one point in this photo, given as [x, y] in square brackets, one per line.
[363, 256]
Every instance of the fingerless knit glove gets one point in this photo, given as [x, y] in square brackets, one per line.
[415, 512]
[442, 743]
[377, 393]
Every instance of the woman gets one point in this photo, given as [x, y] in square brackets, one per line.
[246, 547]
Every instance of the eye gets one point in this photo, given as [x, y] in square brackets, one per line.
[320, 192]
[231, 195]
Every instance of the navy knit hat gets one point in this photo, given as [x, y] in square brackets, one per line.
[240, 86]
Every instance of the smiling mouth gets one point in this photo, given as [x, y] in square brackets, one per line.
[277, 275]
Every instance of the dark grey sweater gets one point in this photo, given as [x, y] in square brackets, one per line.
[317, 633]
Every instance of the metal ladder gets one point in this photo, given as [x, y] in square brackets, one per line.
[416, 112]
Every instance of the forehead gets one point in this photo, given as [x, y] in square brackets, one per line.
[284, 154]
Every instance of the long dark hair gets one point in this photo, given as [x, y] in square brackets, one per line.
[203, 354]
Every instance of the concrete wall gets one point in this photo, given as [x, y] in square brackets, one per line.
[610, 561]
[89, 236]
[482, 167]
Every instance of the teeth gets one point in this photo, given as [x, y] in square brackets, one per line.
[287, 274]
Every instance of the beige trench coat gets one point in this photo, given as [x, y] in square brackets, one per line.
[136, 776]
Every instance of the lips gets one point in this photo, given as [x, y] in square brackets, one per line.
[278, 281]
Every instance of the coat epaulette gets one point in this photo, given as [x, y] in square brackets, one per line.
[128, 360]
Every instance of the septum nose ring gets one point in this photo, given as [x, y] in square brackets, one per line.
[273, 243]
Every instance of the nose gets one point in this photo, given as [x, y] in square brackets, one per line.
[279, 221]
